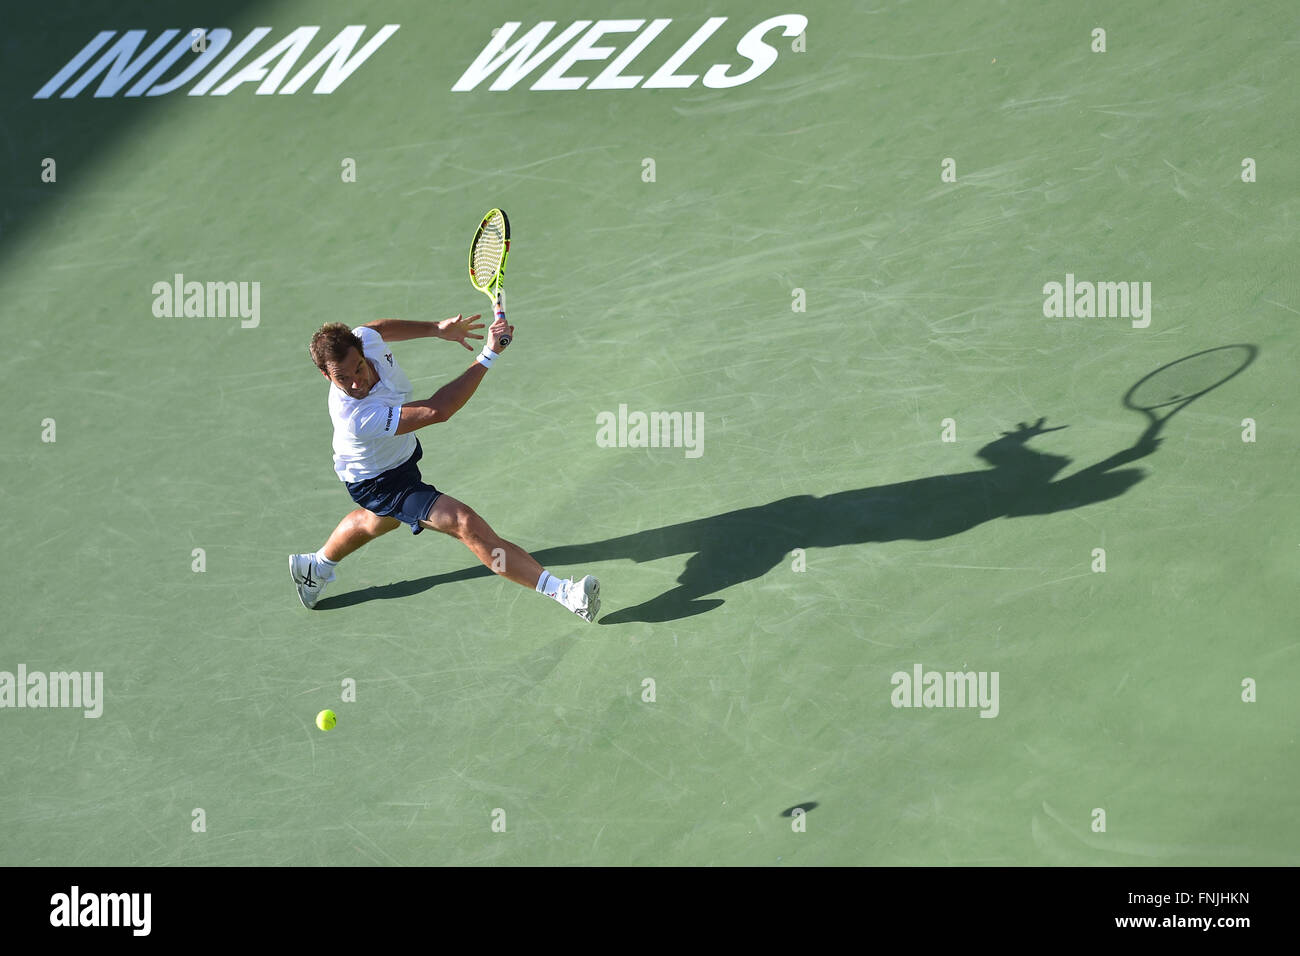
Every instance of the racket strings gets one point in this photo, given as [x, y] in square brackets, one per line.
[1188, 377]
[488, 250]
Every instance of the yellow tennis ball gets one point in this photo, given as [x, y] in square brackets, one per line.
[326, 720]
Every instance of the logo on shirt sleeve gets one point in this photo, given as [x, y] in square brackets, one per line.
[388, 426]
[389, 356]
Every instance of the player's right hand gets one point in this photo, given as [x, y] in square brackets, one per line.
[495, 331]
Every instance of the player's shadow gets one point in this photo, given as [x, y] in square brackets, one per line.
[742, 545]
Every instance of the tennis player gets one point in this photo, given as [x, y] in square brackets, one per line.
[376, 451]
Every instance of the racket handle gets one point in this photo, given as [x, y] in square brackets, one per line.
[499, 309]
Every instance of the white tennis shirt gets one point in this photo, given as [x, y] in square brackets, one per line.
[365, 439]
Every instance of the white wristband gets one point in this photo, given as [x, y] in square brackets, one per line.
[486, 357]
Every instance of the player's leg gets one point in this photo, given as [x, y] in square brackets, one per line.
[507, 559]
[462, 522]
[358, 527]
[311, 572]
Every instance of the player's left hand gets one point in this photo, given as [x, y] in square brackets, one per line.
[460, 329]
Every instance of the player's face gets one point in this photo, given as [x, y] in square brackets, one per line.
[354, 375]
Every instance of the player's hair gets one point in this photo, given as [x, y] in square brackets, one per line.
[332, 343]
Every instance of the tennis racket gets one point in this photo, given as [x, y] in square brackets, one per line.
[1172, 387]
[487, 260]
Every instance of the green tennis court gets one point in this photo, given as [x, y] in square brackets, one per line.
[825, 286]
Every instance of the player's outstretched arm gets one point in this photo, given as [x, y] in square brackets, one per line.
[459, 328]
[451, 398]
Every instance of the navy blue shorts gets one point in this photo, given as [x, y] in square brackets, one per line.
[397, 492]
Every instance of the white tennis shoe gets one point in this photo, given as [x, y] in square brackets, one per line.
[582, 597]
[305, 574]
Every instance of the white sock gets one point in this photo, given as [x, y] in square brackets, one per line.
[549, 585]
[325, 564]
